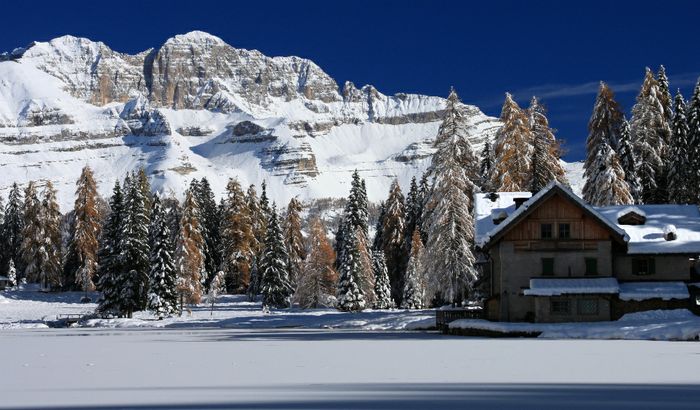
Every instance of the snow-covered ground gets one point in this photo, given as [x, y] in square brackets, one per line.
[22, 309]
[346, 369]
[678, 324]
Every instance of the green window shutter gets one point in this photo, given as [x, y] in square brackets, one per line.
[547, 266]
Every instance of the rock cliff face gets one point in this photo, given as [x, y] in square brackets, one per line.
[196, 106]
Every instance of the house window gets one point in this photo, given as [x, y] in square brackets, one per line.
[587, 307]
[559, 306]
[564, 231]
[591, 266]
[546, 231]
[643, 266]
[547, 266]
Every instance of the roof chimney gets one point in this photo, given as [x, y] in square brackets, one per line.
[519, 201]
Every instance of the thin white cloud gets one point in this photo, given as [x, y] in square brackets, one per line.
[552, 91]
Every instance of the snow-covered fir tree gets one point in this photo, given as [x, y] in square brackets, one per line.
[448, 220]
[11, 233]
[260, 216]
[33, 235]
[237, 239]
[84, 240]
[693, 114]
[134, 247]
[393, 236]
[414, 284]
[12, 273]
[382, 286]
[355, 217]
[423, 193]
[605, 179]
[513, 150]
[275, 287]
[649, 129]
[349, 293]
[665, 93]
[414, 211]
[625, 153]
[51, 251]
[545, 165]
[293, 240]
[378, 240]
[189, 254]
[317, 282]
[366, 280]
[210, 228]
[162, 278]
[486, 167]
[109, 253]
[680, 166]
[607, 187]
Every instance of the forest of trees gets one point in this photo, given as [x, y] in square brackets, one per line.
[142, 251]
[653, 157]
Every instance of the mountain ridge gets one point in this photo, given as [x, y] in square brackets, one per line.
[195, 107]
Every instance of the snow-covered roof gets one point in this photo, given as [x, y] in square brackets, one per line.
[649, 237]
[566, 286]
[484, 238]
[653, 290]
[489, 206]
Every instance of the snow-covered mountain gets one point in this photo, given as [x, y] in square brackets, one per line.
[196, 107]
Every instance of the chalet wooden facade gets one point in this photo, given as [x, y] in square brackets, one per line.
[554, 258]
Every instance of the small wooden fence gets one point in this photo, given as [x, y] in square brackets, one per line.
[443, 317]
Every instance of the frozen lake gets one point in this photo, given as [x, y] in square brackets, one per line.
[353, 369]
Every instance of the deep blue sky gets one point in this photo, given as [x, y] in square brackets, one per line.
[558, 50]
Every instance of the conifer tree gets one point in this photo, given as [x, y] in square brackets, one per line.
[414, 208]
[84, 241]
[423, 192]
[141, 180]
[378, 240]
[680, 166]
[414, 285]
[393, 235]
[210, 228]
[162, 278]
[366, 278]
[602, 167]
[316, 284]
[349, 294]
[109, 253]
[513, 150]
[545, 165]
[259, 217]
[665, 94]
[294, 241]
[693, 115]
[625, 152]
[173, 211]
[134, 248]
[12, 227]
[12, 273]
[382, 286]
[607, 187]
[189, 253]
[2, 219]
[486, 167]
[274, 264]
[448, 220]
[649, 129]
[51, 251]
[237, 239]
[216, 287]
[32, 235]
[355, 216]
